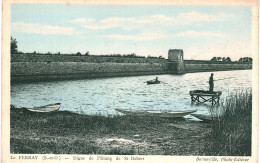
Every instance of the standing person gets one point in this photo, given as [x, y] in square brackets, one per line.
[211, 83]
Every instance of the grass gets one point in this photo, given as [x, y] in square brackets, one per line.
[231, 131]
[64, 132]
[66, 122]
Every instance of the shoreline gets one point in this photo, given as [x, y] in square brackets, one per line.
[25, 67]
[81, 76]
[64, 132]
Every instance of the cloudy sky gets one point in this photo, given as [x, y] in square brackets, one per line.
[201, 31]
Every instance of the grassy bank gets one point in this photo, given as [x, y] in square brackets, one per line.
[231, 132]
[69, 133]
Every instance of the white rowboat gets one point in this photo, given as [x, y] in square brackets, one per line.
[204, 117]
[162, 114]
[46, 108]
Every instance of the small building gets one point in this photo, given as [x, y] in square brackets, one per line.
[175, 55]
[176, 64]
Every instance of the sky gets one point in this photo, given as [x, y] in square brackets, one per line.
[201, 31]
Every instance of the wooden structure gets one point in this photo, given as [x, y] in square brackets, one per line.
[201, 96]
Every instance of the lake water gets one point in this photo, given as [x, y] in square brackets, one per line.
[103, 96]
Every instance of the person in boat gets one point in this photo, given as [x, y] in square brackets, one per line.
[156, 79]
[211, 83]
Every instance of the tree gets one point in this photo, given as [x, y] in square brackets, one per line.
[245, 59]
[224, 59]
[228, 59]
[87, 53]
[78, 53]
[214, 59]
[218, 58]
[14, 46]
[133, 55]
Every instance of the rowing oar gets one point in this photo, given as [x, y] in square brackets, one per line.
[164, 82]
[225, 78]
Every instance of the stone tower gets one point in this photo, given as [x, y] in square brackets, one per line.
[175, 57]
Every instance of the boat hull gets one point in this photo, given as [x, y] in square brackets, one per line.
[46, 108]
[203, 117]
[153, 82]
[162, 114]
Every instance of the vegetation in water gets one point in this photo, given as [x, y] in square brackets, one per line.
[231, 130]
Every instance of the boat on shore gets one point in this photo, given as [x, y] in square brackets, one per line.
[46, 108]
[157, 113]
[206, 118]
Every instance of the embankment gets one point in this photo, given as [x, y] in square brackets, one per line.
[205, 66]
[35, 67]
[40, 71]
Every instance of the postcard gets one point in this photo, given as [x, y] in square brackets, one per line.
[129, 81]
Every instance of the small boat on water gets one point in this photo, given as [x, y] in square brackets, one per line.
[46, 108]
[157, 113]
[153, 82]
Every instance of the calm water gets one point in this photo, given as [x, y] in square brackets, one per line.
[102, 96]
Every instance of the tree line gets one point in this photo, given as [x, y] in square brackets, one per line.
[228, 59]
[14, 50]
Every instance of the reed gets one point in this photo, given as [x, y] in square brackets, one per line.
[231, 129]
